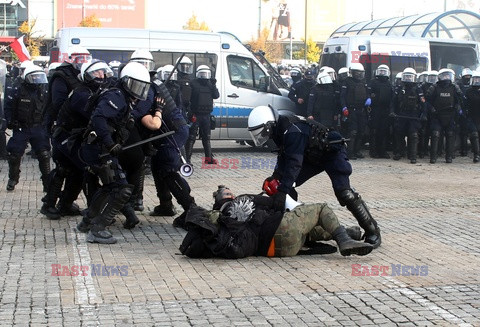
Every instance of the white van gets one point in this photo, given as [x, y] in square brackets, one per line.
[398, 53]
[244, 80]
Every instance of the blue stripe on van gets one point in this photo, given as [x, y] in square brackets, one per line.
[231, 111]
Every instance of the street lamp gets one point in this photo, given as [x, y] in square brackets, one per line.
[306, 31]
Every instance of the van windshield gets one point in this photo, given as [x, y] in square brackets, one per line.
[276, 78]
[334, 60]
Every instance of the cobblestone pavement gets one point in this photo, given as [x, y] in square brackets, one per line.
[427, 267]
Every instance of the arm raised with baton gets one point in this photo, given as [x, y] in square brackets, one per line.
[120, 149]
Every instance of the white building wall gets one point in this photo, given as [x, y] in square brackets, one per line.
[44, 12]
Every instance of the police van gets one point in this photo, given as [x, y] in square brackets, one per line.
[399, 52]
[245, 80]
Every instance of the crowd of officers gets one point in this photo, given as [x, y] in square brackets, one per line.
[84, 113]
[416, 115]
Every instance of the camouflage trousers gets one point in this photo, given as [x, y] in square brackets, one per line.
[316, 220]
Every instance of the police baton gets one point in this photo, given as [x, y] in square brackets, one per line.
[153, 138]
[405, 117]
[342, 140]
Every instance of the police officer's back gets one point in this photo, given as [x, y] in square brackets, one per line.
[300, 91]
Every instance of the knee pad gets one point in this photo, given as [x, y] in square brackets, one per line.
[106, 172]
[347, 197]
[43, 154]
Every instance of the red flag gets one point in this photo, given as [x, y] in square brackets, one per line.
[20, 49]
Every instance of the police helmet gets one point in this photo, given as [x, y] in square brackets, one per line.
[95, 71]
[136, 80]
[295, 72]
[260, 123]
[330, 71]
[343, 73]
[422, 77]
[446, 74]
[114, 65]
[382, 70]
[409, 75]
[432, 76]
[204, 72]
[466, 72]
[164, 72]
[77, 55]
[51, 68]
[34, 74]
[143, 57]
[475, 79]
[324, 78]
[357, 71]
[23, 66]
[185, 66]
[309, 74]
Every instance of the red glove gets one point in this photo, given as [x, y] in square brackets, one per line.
[193, 119]
[345, 112]
[270, 186]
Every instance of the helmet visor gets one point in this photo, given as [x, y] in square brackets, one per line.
[138, 89]
[260, 135]
[382, 72]
[408, 77]
[204, 74]
[36, 78]
[475, 81]
[79, 59]
[185, 68]
[432, 79]
[149, 64]
[99, 73]
[445, 76]
[324, 79]
[358, 74]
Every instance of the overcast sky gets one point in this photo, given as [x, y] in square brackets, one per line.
[241, 17]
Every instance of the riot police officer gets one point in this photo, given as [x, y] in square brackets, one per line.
[305, 151]
[300, 92]
[24, 108]
[462, 128]
[408, 109]
[204, 91]
[381, 93]
[445, 102]
[472, 95]
[107, 132]
[71, 123]
[342, 75]
[353, 100]
[323, 101]
[295, 74]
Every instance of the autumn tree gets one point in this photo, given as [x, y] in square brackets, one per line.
[32, 40]
[194, 25]
[313, 52]
[273, 50]
[90, 21]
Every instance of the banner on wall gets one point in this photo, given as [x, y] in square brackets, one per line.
[111, 13]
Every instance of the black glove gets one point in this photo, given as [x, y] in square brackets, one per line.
[12, 125]
[115, 149]
[334, 136]
[279, 201]
[213, 80]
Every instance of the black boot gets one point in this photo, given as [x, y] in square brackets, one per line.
[44, 165]
[3, 145]
[354, 232]
[449, 147]
[412, 143]
[117, 199]
[166, 207]
[434, 146]
[181, 191]
[98, 202]
[73, 186]
[351, 147]
[138, 196]
[347, 246]
[54, 190]
[207, 146]
[358, 208]
[14, 161]
[189, 149]
[129, 213]
[475, 147]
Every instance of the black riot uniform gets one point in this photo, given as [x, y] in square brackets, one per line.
[24, 109]
[408, 110]
[323, 104]
[462, 125]
[381, 93]
[472, 106]
[444, 101]
[300, 92]
[305, 153]
[352, 100]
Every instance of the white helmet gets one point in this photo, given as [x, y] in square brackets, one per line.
[432, 76]
[399, 75]
[466, 71]
[295, 72]
[34, 74]
[95, 71]
[185, 66]
[144, 57]
[409, 75]
[446, 74]
[260, 123]
[52, 67]
[136, 80]
[343, 73]
[382, 70]
[164, 72]
[357, 71]
[422, 77]
[330, 71]
[203, 72]
[77, 55]
[324, 78]
[23, 66]
[114, 66]
[475, 79]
